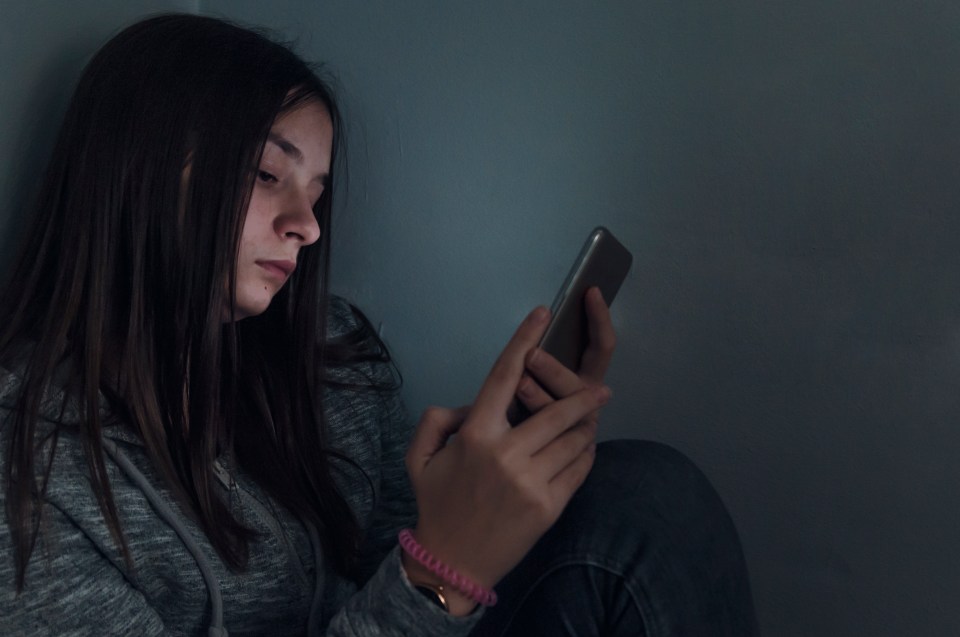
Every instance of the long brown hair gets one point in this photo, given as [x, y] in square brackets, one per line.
[125, 273]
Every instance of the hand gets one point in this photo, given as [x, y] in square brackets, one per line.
[546, 379]
[488, 494]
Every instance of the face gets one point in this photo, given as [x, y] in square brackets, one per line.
[290, 179]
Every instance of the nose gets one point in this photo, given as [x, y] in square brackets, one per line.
[298, 222]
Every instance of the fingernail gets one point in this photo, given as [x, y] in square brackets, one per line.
[602, 394]
[539, 315]
[534, 355]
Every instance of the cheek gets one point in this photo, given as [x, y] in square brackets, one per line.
[254, 220]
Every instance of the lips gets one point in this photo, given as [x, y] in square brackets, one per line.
[279, 268]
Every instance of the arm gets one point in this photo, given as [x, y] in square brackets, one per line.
[394, 507]
[489, 494]
[369, 424]
[373, 428]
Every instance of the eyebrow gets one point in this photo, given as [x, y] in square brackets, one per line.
[288, 148]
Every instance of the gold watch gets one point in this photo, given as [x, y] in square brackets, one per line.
[432, 592]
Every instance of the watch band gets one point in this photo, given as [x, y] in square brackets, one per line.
[432, 592]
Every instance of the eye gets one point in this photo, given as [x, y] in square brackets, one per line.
[266, 177]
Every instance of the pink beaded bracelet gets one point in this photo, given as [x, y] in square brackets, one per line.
[471, 589]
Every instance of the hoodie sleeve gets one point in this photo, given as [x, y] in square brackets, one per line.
[369, 424]
[71, 588]
[377, 429]
[389, 605]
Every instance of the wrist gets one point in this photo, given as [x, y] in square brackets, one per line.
[422, 562]
[457, 604]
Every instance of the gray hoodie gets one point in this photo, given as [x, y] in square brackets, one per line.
[78, 584]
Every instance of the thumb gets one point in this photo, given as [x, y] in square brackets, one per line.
[436, 426]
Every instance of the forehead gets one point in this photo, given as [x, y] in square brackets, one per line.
[305, 134]
[309, 118]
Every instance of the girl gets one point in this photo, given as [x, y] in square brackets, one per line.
[197, 438]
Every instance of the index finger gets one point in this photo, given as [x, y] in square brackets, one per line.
[501, 383]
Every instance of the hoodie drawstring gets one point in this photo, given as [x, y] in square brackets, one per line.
[216, 628]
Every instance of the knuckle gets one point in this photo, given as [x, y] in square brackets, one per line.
[501, 372]
[432, 413]
[526, 388]
[535, 499]
[471, 437]
[505, 465]
[479, 444]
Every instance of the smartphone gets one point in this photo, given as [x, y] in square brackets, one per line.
[603, 262]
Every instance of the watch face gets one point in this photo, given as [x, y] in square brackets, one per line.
[434, 595]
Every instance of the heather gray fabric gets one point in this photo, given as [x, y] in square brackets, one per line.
[78, 584]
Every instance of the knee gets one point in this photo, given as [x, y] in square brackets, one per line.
[642, 455]
[651, 502]
[657, 481]
[642, 464]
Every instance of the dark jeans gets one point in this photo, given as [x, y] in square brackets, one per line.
[645, 548]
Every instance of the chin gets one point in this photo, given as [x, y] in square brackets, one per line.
[246, 308]
[243, 313]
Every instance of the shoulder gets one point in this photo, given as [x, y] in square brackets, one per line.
[353, 355]
[340, 317]
[344, 318]
[365, 417]
[360, 381]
